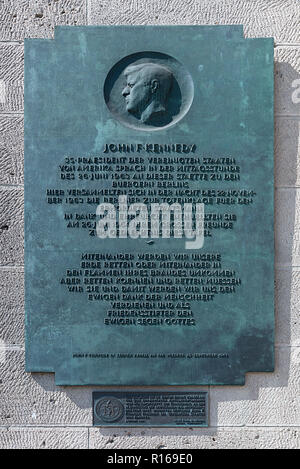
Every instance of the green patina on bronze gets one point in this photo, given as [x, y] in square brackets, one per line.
[210, 95]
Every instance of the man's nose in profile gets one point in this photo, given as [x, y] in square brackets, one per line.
[126, 91]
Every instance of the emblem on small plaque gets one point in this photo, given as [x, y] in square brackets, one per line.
[109, 409]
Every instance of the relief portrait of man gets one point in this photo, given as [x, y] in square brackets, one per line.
[146, 92]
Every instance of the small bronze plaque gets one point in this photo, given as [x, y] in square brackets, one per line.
[161, 409]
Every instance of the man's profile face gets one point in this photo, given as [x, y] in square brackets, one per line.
[137, 93]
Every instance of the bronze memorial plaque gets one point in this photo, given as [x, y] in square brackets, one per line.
[149, 210]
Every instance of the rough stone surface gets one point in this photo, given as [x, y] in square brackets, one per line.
[11, 149]
[267, 399]
[277, 18]
[11, 227]
[287, 151]
[287, 227]
[11, 72]
[43, 438]
[287, 80]
[36, 18]
[36, 400]
[287, 305]
[12, 306]
[211, 438]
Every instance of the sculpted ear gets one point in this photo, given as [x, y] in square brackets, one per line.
[154, 85]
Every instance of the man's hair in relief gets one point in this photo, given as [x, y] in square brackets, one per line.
[151, 71]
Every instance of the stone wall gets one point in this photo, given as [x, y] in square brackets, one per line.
[265, 413]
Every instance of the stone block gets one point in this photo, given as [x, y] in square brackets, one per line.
[287, 227]
[43, 438]
[12, 306]
[267, 399]
[36, 18]
[11, 150]
[11, 227]
[279, 18]
[287, 301]
[189, 438]
[287, 80]
[11, 77]
[287, 151]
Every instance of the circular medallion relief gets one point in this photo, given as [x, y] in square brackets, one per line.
[109, 409]
[148, 91]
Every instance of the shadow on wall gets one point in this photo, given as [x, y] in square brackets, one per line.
[286, 150]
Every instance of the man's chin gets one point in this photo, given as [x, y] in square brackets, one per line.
[131, 109]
